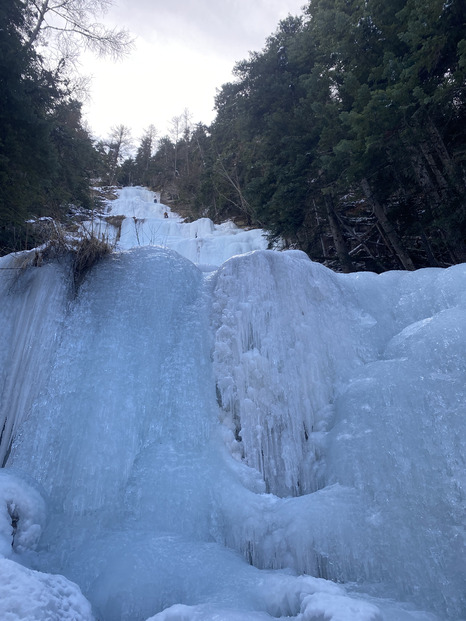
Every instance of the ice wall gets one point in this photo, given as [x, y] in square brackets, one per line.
[145, 223]
[266, 439]
[284, 343]
[33, 304]
[400, 434]
[348, 391]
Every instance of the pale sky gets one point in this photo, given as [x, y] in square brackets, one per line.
[185, 50]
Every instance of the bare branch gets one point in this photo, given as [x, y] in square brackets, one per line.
[67, 26]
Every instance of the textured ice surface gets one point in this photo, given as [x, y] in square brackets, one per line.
[22, 515]
[31, 312]
[266, 439]
[27, 595]
[202, 241]
[349, 392]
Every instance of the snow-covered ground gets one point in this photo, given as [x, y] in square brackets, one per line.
[214, 431]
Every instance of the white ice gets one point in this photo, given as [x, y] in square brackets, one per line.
[144, 223]
[235, 434]
[34, 596]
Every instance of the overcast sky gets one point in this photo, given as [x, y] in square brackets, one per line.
[185, 50]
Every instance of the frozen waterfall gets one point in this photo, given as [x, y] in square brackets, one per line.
[210, 430]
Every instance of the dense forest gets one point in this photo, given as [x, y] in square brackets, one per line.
[344, 137]
[47, 156]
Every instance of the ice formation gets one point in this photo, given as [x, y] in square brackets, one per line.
[213, 430]
[35, 596]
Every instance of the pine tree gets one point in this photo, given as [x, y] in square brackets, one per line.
[26, 155]
[46, 156]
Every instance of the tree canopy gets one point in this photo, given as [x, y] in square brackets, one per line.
[47, 157]
[343, 137]
[346, 133]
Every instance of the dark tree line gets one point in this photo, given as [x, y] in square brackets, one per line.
[47, 157]
[345, 136]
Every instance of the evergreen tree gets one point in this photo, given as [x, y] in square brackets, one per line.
[345, 135]
[27, 160]
[143, 170]
[46, 156]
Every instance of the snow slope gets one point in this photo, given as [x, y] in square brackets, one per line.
[260, 438]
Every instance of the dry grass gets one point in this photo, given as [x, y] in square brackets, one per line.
[87, 252]
[115, 221]
[81, 247]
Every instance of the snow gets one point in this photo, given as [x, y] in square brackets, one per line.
[212, 430]
[22, 515]
[35, 596]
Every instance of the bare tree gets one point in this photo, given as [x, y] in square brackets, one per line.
[186, 119]
[119, 145]
[151, 134]
[146, 150]
[66, 27]
[175, 132]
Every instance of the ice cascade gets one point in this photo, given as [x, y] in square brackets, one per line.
[211, 430]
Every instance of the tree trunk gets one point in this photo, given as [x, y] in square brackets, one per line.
[40, 19]
[440, 179]
[428, 248]
[387, 227]
[321, 232]
[235, 183]
[338, 238]
[432, 196]
[444, 156]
